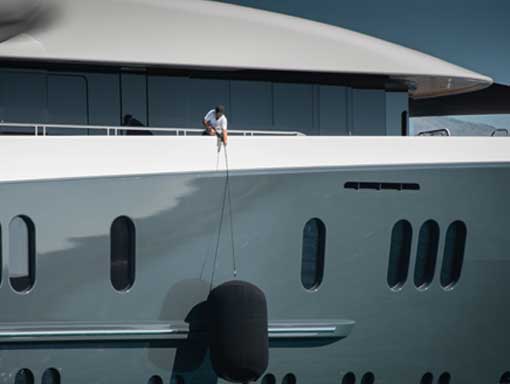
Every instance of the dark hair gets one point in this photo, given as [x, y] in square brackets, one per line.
[220, 109]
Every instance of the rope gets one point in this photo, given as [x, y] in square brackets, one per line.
[226, 193]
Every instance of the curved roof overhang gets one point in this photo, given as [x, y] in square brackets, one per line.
[211, 35]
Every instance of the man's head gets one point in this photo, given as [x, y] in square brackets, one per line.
[220, 111]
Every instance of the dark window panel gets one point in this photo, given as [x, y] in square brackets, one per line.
[428, 242]
[293, 107]
[67, 103]
[333, 115]
[21, 253]
[453, 257]
[134, 96]
[312, 261]
[122, 253]
[400, 254]
[251, 105]
[23, 96]
[168, 101]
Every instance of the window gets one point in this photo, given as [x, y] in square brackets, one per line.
[427, 254]
[444, 378]
[400, 254]
[427, 378]
[24, 376]
[293, 104]
[368, 378]
[312, 262]
[349, 378]
[289, 378]
[453, 254]
[122, 255]
[21, 253]
[155, 380]
[51, 376]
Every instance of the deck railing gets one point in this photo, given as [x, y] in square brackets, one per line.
[37, 129]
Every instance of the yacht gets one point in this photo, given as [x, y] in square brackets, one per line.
[383, 257]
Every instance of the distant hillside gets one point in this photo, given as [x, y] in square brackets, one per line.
[456, 127]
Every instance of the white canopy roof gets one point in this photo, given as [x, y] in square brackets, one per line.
[213, 35]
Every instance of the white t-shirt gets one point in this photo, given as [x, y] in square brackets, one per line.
[220, 124]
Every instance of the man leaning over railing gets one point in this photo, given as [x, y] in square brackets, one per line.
[215, 123]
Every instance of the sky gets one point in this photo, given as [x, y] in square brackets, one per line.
[474, 34]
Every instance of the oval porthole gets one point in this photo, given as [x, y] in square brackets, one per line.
[21, 254]
[51, 376]
[289, 378]
[400, 254]
[428, 243]
[453, 257]
[505, 378]
[368, 378]
[444, 378]
[155, 379]
[427, 378]
[24, 376]
[122, 253]
[349, 378]
[312, 260]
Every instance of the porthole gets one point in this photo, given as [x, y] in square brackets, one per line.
[312, 261]
[24, 376]
[400, 254]
[51, 376]
[368, 378]
[349, 378]
[269, 379]
[505, 378]
[428, 243]
[122, 253]
[427, 378]
[289, 378]
[155, 380]
[444, 378]
[453, 257]
[21, 254]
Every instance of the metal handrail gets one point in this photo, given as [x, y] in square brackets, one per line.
[42, 129]
[436, 132]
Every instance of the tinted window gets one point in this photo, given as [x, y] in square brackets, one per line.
[168, 101]
[400, 254]
[23, 96]
[426, 254]
[134, 97]
[24, 376]
[453, 254]
[312, 262]
[21, 253]
[67, 99]
[122, 256]
[293, 107]
[333, 116]
[368, 111]
[51, 376]
[251, 105]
